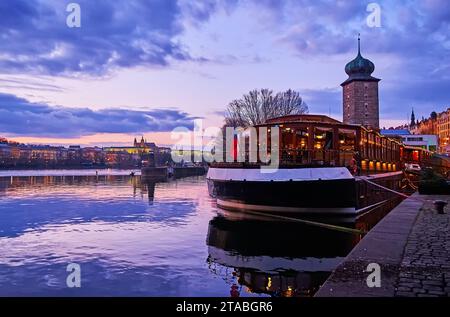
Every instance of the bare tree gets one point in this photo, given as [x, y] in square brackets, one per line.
[259, 105]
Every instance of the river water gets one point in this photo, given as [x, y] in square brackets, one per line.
[136, 239]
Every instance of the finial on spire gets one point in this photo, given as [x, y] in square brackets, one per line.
[359, 43]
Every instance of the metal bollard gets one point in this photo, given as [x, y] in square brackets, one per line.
[439, 206]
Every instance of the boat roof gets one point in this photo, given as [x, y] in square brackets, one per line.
[307, 118]
[303, 118]
[321, 119]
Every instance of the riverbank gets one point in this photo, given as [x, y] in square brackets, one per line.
[411, 245]
[68, 172]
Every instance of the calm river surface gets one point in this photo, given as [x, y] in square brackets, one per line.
[137, 239]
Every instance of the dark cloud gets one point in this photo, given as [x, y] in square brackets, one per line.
[20, 117]
[129, 33]
[326, 27]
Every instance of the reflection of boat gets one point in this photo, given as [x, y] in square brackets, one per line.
[276, 258]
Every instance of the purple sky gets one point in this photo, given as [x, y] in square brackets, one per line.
[142, 67]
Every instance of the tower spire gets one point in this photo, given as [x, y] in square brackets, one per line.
[359, 44]
[413, 119]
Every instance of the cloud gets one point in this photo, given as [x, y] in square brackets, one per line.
[327, 100]
[425, 95]
[28, 85]
[123, 34]
[411, 50]
[113, 34]
[415, 35]
[19, 117]
[322, 27]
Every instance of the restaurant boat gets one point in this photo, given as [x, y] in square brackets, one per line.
[325, 166]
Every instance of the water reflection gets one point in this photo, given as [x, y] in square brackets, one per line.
[273, 257]
[46, 200]
[266, 255]
[133, 238]
[130, 238]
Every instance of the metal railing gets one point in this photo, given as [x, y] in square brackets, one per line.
[288, 157]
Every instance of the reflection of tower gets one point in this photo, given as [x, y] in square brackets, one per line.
[150, 191]
[135, 186]
[360, 93]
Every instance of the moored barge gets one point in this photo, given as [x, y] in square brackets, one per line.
[325, 166]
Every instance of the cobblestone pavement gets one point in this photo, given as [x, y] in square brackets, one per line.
[425, 268]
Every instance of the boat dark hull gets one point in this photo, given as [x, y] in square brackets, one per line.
[325, 196]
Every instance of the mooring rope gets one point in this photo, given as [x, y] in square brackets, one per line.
[309, 222]
[410, 183]
[385, 188]
[365, 210]
[396, 192]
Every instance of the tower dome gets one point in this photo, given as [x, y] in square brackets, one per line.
[360, 68]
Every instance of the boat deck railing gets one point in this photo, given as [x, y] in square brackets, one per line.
[294, 158]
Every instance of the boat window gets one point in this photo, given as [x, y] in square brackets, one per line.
[363, 143]
[301, 138]
[294, 144]
[347, 139]
[347, 142]
[287, 138]
[323, 139]
[388, 150]
[377, 147]
[383, 149]
[371, 146]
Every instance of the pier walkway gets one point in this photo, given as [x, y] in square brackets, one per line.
[411, 245]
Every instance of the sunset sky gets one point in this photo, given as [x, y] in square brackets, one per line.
[145, 67]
